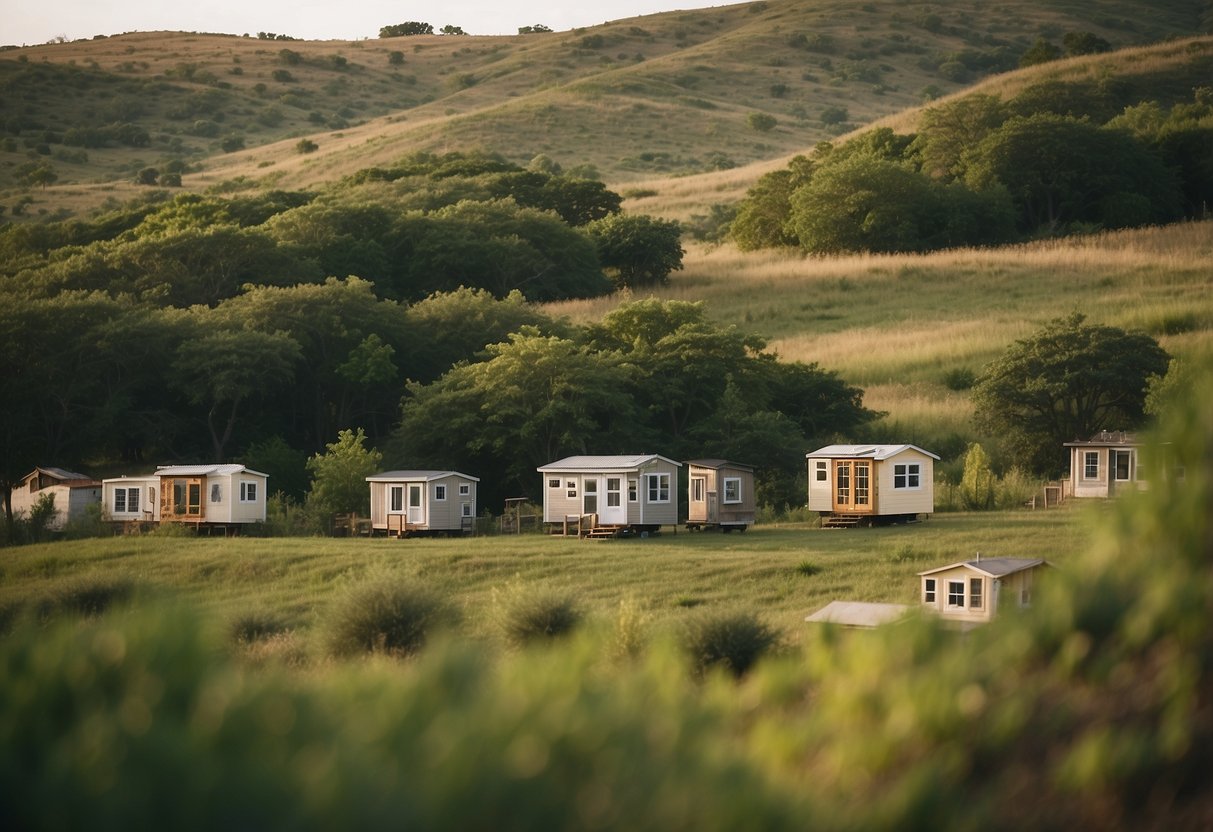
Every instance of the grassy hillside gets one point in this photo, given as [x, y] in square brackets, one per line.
[662, 95]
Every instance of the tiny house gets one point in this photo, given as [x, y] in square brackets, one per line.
[611, 494]
[422, 502]
[73, 494]
[226, 495]
[866, 484]
[971, 592]
[720, 494]
[1104, 465]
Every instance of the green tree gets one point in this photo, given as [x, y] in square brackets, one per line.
[1040, 52]
[947, 130]
[408, 28]
[978, 481]
[762, 219]
[339, 475]
[452, 30]
[1067, 381]
[638, 250]
[762, 122]
[1084, 43]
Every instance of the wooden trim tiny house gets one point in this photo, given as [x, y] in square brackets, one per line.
[720, 494]
[227, 496]
[863, 484]
[1104, 465]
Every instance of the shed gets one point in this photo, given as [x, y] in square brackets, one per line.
[1104, 465]
[612, 494]
[219, 494]
[720, 494]
[421, 502]
[972, 591]
[858, 614]
[864, 484]
[73, 494]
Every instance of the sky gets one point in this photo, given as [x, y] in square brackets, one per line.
[30, 22]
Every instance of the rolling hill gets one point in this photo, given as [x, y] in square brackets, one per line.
[634, 101]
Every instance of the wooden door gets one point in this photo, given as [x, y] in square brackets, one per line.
[853, 486]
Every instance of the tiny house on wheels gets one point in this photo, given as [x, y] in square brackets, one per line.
[852, 485]
[225, 496]
[606, 496]
[719, 494]
[422, 502]
[1103, 465]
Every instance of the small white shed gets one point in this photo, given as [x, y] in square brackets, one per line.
[636, 492]
[1104, 465]
[852, 484]
[409, 502]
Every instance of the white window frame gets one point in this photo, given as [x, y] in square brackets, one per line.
[440, 492]
[554, 483]
[907, 476]
[120, 501]
[1090, 465]
[977, 593]
[1114, 465]
[395, 499]
[570, 489]
[928, 590]
[248, 491]
[699, 487]
[735, 482]
[465, 489]
[823, 471]
[633, 491]
[465, 509]
[956, 589]
[657, 488]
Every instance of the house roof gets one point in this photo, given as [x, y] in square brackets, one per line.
[993, 567]
[1105, 438]
[214, 470]
[620, 462]
[69, 478]
[717, 464]
[857, 613]
[866, 451]
[414, 476]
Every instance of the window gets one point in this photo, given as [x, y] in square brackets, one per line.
[465, 509]
[822, 471]
[396, 498]
[907, 475]
[842, 484]
[956, 594]
[589, 496]
[1122, 461]
[928, 590]
[248, 492]
[658, 487]
[862, 480]
[698, 485]
[632, 495]
[216, 492]
[732, 489]
[465, 489]
[571, 487]
[612, 491]
[1090, 465]
[553, 482]
[439, 493]
[975, 592]
[120, 501]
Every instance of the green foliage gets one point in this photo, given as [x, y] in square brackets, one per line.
[526, 615]
[733, 642]
[387, 615]
[87, 595]
[639, 250]
[807, 568]
[977, 485]
[762, 122]
[306, 146]
[762, 219]
[410, 27]
[1040, 52]
[1066, 381]
[339, 474]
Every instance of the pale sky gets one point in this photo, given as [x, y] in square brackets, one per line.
[30, 22]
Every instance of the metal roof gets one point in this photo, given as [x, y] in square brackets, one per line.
[717, 464]
[414, 476]
[866, 451]
[605, 463]
[214, 470]
[993, 567]
[1105, 438]
[857, 614]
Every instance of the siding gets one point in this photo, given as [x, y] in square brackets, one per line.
[557, 504]
[890, 500]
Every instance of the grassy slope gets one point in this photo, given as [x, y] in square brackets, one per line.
[295, 579]
[654, 96]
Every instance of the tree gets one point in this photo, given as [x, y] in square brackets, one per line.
[408, 28]
[339, 475]
[1084, 43]
[395, 58]
[977, 483]
[452, 30]
[533, 30]
[1040, 52]
[947, 130]
[762, 219]
[762, 122]
[1066, 381]
[306, 146]
[638, 249]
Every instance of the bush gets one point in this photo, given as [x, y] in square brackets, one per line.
[385, 615]
[87, 595]
[306, 146]
[528, 615]
[732, 641]
[255, 626]
[807, 568]
[762, 122]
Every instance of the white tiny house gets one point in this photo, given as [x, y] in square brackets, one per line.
[972, 592]
[421, 502]
[866, 484]
[613, 494]
[226, 495]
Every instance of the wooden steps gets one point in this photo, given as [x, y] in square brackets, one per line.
[842, 521]
[602, 532]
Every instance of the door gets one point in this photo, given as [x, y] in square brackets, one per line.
[612, 511]
[416, 512]
[853, 486]
[1121, 469]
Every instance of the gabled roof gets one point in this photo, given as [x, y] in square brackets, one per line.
[69, 478]
[214, 470]
[1105, 438]
[866, 451]
[418, 476]
[717, 464]
[857, 613]
[993, 567]
[619, 462]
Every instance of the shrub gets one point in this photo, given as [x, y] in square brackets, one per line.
[255, 626]
[806, 568]
[1015, 489]
[762, 122]
[528, 615]
[306, 146]
[732, 641]
[87, 595]
[631, 625]
[383, 614]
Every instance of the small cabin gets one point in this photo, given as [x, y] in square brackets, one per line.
[610, 495]
[1104, 465]
[972, 592]
[227, 495]
[853, 485]
[720, 494]
[73, 494]
[422, 502]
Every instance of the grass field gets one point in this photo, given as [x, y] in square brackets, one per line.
[764, 571]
